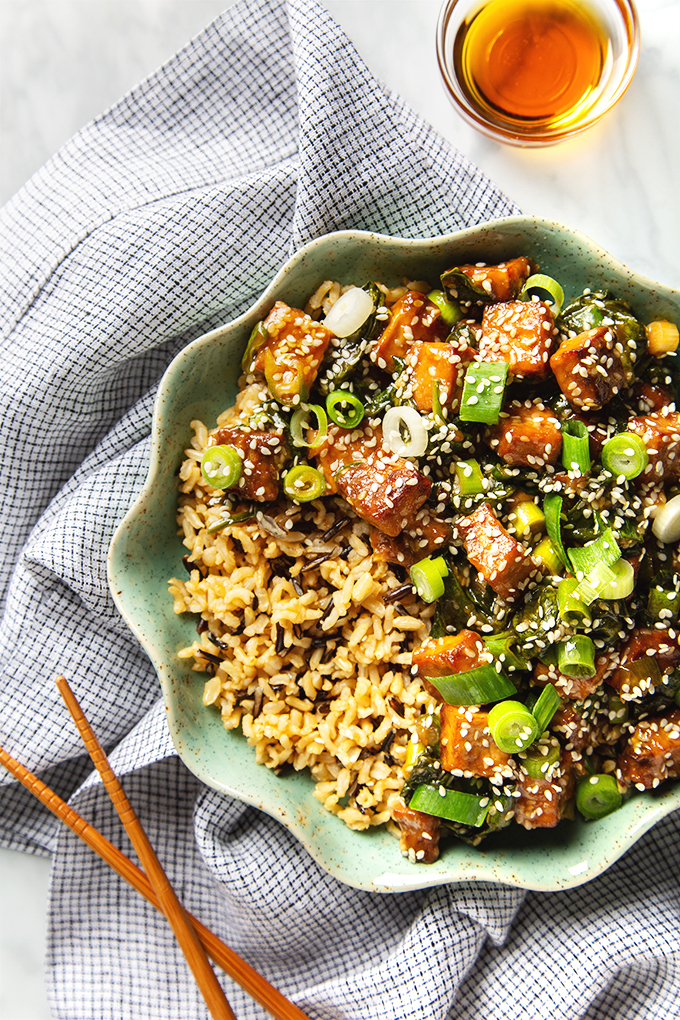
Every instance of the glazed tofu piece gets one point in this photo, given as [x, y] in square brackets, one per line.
[425, 535]
[520, 333]
[660, 432]
[501, 282]
[644, 642]
[383, 489]
[576, 689]
[455, 653]
[412, 318]
[467, 746]
[503, 562]
[291, 354]
[263, 454]
[541, 802]
[652, 753]
[419, 839]
[436, 364]
[527, 434]
[592, 367]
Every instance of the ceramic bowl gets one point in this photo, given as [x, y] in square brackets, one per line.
[146, 551]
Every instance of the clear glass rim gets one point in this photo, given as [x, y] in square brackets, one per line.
[535, 136]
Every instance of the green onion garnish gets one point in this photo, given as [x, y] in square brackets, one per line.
[623, 582]
[575, 446]
[625, 455]
[541, 284]
[344, 409]
[603, 549]
[502, 646]
[576, 657]
[595, 585]
[450, 312]
[547, 704]
[225, 522]
[663, 601]
[552, 508]
[454, 805]
[221, 466]
[597, 796]
[304, 483]
[483, 391]
[539, 758]
[469, 477]
[479, 686]
[513, 727]
[428, 577]
[299, 423]
[573, 610]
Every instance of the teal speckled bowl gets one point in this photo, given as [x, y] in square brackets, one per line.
[146, 552]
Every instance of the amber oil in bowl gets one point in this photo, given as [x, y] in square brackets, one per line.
[536, 71]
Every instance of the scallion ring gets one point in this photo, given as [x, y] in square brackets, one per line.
[624, 581]
[299, 424]
[427, 576]
[304, 483]
[598, 796]
[543, 284]
[404, 432]
[344, 409]
[538, 761]
[575, 446]
[221, 466]
[450, 312]
[349, 312]
[666, 524]
[512, 726]
[625, 454]
[483, 391]
[576, 657]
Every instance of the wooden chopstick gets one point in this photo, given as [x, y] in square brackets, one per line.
[185, 933]
[231, 963]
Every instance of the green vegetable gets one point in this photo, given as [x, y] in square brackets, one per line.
[504, 648]
[344, 409]
[513, 727]
[576, 657]
[225, 522]
[465, 808]
[575, 446]
[547, 704]
[573, 610]
[590, 310]
[450, 311]
[603, 549]
[221, 466]
[625, 454]
[304, 483]
[257, 339]
[598, 796]
[552, 508]
[595, 584]
[479, 686]
[428, 577]
[469, 477]
[540, 757]
[539, 284]
[341, 362]
[299, 423]
[483, 391]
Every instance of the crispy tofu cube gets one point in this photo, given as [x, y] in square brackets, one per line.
[413, 317]
[420, 833]
[467, 746]
[436, 364]
[501, 282]
[643, 642]
[652, 753]
[424, 535]
[455, 653]
[501, 560]
[592, 367]
[264, 454]
[292, 353]
[520, 333]
[526, 434]
[541, 802]
[660, 432]
[383, 489]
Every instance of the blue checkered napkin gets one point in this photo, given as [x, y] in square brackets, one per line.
[163, 218]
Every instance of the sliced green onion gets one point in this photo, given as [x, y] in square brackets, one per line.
[404, 432]
[573, 609]
[483, 391]
[479, 686]
[527, 518]
[469, 477]
[221, 466]
[575, 446]
[437, 409]
[623, 583]
[538, 760]
[512, 725]
[595, 584]
[663, 601]
[546, 706]
[258, 338]
[299, 423]
[542, 284]
[625, 454]
[349, 312]
[617, 710]
[450, 312]
[344, 409]
[454, 805]
[428, 577]
[304, 483]
[552, 508]
[598, 796]
[225, 522]
[576, 657]
[413, 753]
[502, 647]
[666, 524]
[603, 549]
[546, 554]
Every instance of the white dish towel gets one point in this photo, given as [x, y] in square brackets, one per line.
[161, 219]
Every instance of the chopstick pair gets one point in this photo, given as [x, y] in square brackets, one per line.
[195, 939]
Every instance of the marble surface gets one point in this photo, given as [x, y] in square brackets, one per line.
[64, 61]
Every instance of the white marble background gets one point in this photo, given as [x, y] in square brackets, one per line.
[64, 61]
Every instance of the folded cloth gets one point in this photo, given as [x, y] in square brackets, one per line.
[161, 219]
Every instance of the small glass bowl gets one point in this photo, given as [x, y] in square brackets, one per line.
[620, 30]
